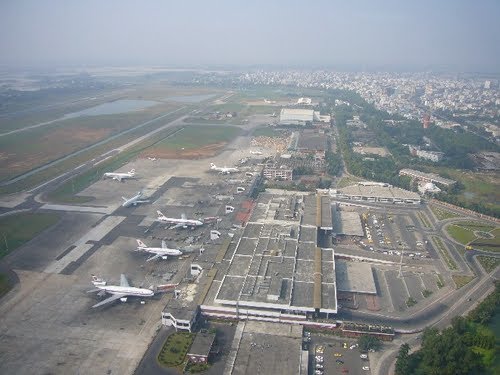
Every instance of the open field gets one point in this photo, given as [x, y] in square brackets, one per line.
[193, 142]
[19, 228]
[20, 153]
[267, 131]
[347, 181]
[76, 160]
[460, 234]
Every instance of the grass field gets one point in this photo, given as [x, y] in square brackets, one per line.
[19, 228]
[21, 153]
[442, 214]
[460, 234]
[423, 218]
[466, 233]
[74, 161]
[267, 131]
[461, 280]
[174, 350]
[194, 138]
[488, 263]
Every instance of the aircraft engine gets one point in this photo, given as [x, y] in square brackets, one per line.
[123, 299]
[164, 257]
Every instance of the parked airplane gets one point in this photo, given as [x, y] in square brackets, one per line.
[136, 199]
[256, 152]
[223, 170]
[152, 158]
[160, 252]
[121, 292]
[120, 176]
[183, 222]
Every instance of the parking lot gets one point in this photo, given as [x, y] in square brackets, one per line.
[333, 355]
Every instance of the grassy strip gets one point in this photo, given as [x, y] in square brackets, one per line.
[440, 281]
[4, 284]
[20, 228]
[461, 280]
[174, 350]
[424, 220]
[460, 234]
[442, 214]
[444, 253]
[488, 263]
[475, 226]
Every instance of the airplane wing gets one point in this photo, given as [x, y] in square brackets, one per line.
[114, 297]
[163, 244]
[118, 178]
[153, 258]
[123, 280]
[183, 217]
[180, 225]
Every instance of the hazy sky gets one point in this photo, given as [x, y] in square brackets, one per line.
[462, 35]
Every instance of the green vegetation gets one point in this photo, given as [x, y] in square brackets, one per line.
[460, 234]
[461, 280]
[411, 302]
[195, 368]
[267, 131]
[76, 160]
[426, 293]
[4, 284]
[367, 342]
[348, 181]
[488, 263]
[20, 228]
[444, 253]
[424, 220]
[469, 346]
[174, 350]
[474, 233]
[442, 214]
[440, 281]
[194, 137]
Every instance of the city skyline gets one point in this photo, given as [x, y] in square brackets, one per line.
[449, 35]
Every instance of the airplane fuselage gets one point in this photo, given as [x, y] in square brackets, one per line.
[161, 251]
[126, 290]
[186, 222]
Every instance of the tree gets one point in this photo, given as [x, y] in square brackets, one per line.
[367, 342]
[402, 361]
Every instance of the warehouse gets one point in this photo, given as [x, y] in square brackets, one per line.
[382, 193]
[289, 116]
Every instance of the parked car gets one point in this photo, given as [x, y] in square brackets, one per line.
[364, 356]
[337, 355]
[366, 368]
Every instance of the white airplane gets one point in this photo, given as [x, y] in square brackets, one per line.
[136, 199]
[160, 252]
[152, 158]
[121, 292]
[183, 222]
[120, 176]
[223, 170]
[256, 152]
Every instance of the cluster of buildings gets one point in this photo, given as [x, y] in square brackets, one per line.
[412, 95]
[434, 156]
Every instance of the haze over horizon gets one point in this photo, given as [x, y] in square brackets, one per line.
[417, 35]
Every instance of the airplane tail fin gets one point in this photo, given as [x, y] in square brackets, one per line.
[212, 165]
[140, 243]
[160, 215]
[132, 171]
[124, 199]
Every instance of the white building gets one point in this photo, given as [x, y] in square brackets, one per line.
[289, 116]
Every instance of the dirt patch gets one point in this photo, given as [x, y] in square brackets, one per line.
[83, 135]
[191, 154]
